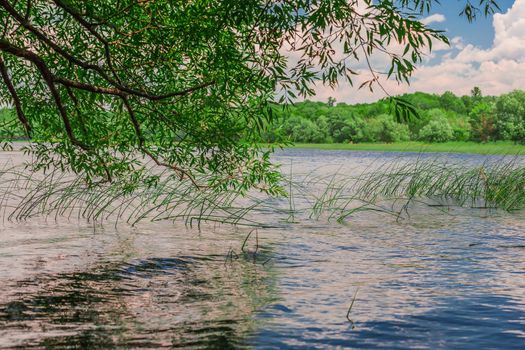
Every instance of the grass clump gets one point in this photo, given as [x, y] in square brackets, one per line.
[314, 196]
[498, 185]
[28, 194]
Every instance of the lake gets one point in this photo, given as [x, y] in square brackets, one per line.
[438, 278]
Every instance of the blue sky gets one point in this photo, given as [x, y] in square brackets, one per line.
[479, 32]
[488, 53]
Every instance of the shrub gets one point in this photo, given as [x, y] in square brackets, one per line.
[303, 130]
[510, 116]
[482, 122]
[385, 129]
[345, 129]
[437, 130]
[461, 134]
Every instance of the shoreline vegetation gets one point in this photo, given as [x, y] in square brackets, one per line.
[474, 123]
[392, 188]
[491, 148]
[446, 123]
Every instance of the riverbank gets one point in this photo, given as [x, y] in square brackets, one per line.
[448, 147]
[491, 148]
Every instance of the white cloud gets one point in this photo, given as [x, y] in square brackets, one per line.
[435, 18]
[457, 43]
[496, 70]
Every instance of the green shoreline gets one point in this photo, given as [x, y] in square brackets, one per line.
[492, 148]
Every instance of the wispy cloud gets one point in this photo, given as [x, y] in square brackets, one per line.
[435, 18]
[496, 70]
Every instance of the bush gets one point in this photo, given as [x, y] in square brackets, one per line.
[510, 116]
[437, 130]
[303, 130]
[343, 129]
[461, 134]
[385, 129]
[482, 122]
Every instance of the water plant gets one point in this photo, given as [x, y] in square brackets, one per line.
[392, 188]
[25, 195]
[492, 184]
[388, 188]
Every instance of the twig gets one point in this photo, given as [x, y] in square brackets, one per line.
[350, 309]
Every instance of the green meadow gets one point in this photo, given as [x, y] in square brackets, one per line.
[500, 147]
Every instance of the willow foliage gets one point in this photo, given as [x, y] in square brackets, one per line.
[101, 87]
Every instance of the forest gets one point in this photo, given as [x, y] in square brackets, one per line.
[439, 118]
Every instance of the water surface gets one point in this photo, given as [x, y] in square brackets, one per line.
[439, 280]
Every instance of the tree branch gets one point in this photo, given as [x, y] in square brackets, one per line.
[119, 92]
[90, 28]
[16, 99]
[50, 82]
[140, 136]
[43, 38]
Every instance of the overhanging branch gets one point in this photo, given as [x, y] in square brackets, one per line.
[16, 99]
[78, 62]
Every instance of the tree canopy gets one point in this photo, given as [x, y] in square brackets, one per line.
[101, 87]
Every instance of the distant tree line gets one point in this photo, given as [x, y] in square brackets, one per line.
[442, 118]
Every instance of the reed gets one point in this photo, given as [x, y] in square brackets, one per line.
[497, 185]
[24, 195]
[334, 198]
[392, 188]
